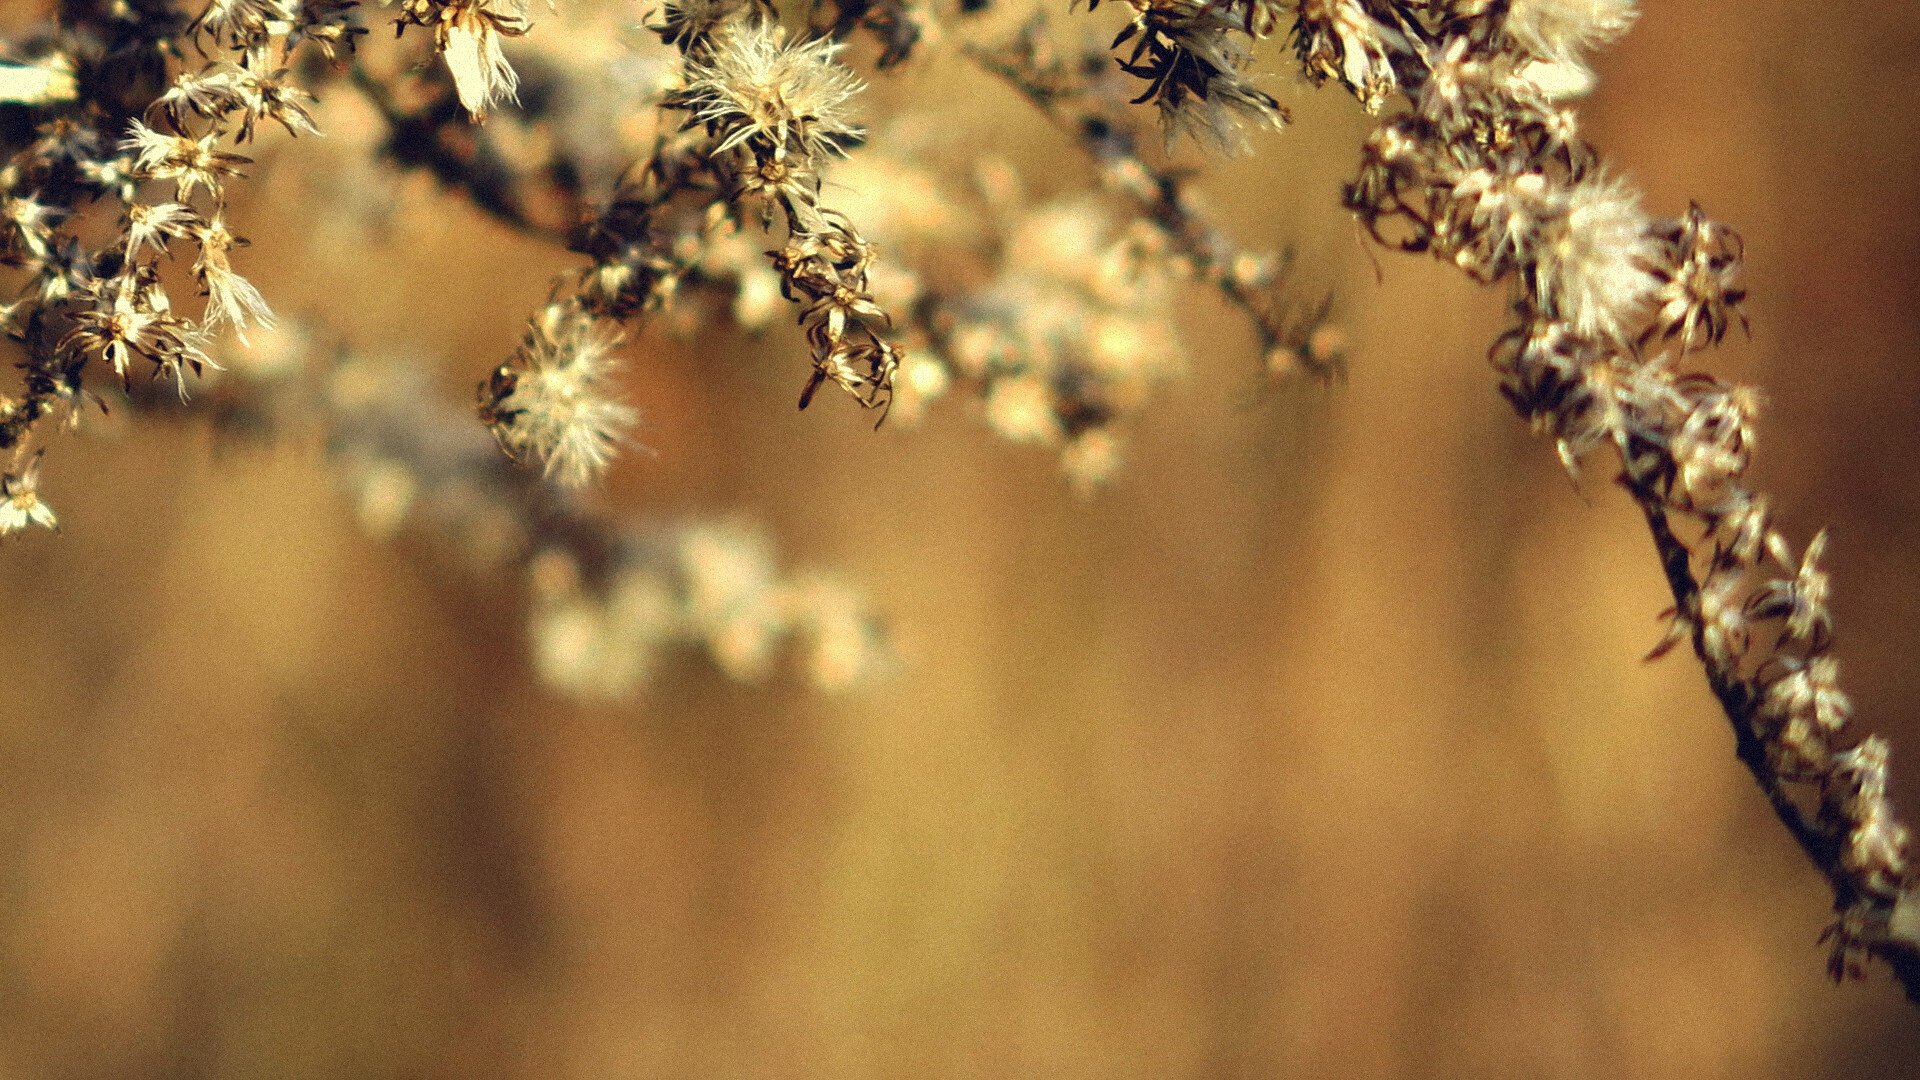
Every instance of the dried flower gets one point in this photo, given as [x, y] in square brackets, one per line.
[191, 163]
[152, 225]
[1566, 30]
[552, 402]
[1191, 56]
[791, 98]
[20, 502]
[469, 34]
[1593, 258]
[231, 299]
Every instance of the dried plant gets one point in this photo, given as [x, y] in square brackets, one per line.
[689, 165]
[1484, 166]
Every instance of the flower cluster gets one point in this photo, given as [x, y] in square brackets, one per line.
[1067, 86]
[1057, 355]
[1485, 168]
[777, 112]
[606, 600]
[1063, 343]
[156, 149]
[765, 116]
[711, 584]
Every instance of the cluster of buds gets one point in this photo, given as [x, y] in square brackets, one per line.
[598, 630]
[1064, 343]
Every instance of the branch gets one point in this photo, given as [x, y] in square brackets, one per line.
[607, 599]
[440, 139]
[1067, 90]
[1482, 166]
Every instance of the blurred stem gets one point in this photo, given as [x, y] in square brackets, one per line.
[432, 139]
[1034, 66]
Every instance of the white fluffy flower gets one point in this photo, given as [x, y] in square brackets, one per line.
[560, 411]
[1566, 30]
[788, 97]
[1592, 269]
[231, 299]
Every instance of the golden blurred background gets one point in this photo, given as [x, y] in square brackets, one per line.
[1318, 746]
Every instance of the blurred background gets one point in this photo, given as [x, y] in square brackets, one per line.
[1319, 745]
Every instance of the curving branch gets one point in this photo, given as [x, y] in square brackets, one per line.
[1479, 161]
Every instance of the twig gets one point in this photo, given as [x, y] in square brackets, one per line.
[1063, 88]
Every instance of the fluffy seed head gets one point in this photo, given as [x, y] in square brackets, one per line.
[555, 406]
[1566, 30]
[1593, 268]
[786, 98]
